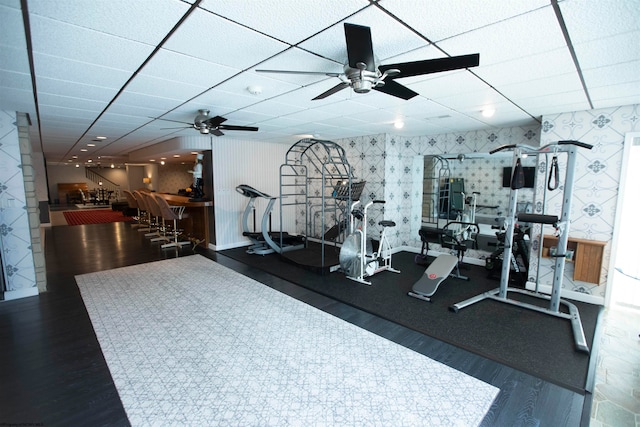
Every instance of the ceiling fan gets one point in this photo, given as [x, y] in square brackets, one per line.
[363, 74]
[206, 124]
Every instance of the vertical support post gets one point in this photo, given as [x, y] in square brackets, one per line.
[565, 219]
[508, 239]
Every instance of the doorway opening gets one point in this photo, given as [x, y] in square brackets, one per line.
[624, 289]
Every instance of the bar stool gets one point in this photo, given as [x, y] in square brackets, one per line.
[145, 214]
[171, 213]
[160, 233]
[133, 204]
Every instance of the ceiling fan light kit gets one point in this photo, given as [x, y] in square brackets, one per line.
[362, 73]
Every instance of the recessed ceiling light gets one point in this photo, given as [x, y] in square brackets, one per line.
[77, 165]
[74, 157]
[176, 155]
[162, 162]
[91, 145]
[89, 161]
[100, 138]
[488, 112]
[152, 160]
[163, 158]
[398, 124]
[83, 149]
[112, 166]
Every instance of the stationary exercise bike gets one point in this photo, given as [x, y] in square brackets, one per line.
[358, 257]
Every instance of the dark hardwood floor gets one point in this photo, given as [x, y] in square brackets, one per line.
[53, 373]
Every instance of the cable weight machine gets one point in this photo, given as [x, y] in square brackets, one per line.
[562, 224]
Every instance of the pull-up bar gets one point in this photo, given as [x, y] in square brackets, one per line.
[500, 294]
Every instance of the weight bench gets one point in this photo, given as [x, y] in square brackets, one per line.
[435, 274]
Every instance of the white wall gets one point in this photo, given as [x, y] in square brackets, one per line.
[247, 162]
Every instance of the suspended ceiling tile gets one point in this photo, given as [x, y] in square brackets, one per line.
[613, 92]
[303, 96]
[599, 19]
[17, 81]
[544, 86]
[224, 101]
[14, 60]
[472, 101]
[75, 90]
[12, 99]
[554, 103]
[313, 114]
[244, 118]
[170, 89]
[112, 118]
[147, 111]
[277, 18]
[440, 19]
[449, 84]
[602, 52]
[62, 69]
[272, 107]
[555, 62]
[347, 107]
[175, 66]
[613, 74]
[57, 101]
[87, 46]
[146, 21]
[379, 99]
[214, 39]
[12, 29]
[142, 100]
[347, 121]
[389, 37]
[616, 102]
[268, 86]
[514, 38]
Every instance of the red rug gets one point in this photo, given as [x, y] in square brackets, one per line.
[94, 216]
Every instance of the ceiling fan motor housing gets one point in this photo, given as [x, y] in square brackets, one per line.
[361, 80]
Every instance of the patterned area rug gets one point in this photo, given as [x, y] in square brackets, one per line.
[94, 216]
[190, 342]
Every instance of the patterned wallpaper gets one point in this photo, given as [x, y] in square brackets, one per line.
[597, 179]
[393, 168]
[15, 232]
[174, 177]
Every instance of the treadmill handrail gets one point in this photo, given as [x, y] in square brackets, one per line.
[249, 191]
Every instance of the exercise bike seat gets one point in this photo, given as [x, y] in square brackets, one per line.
[387, 223]
[435, 274]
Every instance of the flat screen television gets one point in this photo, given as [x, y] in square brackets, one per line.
[529, 176]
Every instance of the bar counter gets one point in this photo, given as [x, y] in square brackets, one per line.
[195, 223]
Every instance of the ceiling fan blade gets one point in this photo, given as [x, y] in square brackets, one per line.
[214, 122]
[216, 132]
[428, 66]
[336, 88]
[318, 73]
[359, 46]
[232, 127]
[181, 127]
[394, 88]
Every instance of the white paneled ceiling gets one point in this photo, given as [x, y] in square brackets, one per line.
[137, 72]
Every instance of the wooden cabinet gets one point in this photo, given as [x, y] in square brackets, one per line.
[587, 257]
